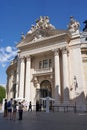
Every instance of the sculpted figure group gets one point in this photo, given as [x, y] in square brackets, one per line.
[42, 23]
[73, 25]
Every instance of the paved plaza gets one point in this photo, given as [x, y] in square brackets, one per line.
[46, 121]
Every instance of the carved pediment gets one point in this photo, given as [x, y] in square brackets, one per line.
[41, 34]
[43, 29]
[40, 30]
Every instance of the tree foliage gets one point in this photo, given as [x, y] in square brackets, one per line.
[2, 93]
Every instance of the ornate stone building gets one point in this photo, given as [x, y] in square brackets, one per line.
[50, 62]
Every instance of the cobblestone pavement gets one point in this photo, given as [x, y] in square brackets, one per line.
[46, 121]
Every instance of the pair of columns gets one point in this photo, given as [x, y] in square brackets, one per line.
[24, 77]
[65, 76]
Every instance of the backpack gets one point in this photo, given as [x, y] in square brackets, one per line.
[8, 104]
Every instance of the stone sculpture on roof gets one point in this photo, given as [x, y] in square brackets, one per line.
[73, 25]
[41, 23]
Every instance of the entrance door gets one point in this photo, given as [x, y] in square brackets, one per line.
[45, 91]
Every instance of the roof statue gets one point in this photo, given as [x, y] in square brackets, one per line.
[85, 28]
[73, 26]
[22, 36]
[41, 23]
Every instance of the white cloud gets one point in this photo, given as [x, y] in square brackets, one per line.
[7, 54]
[8, 49]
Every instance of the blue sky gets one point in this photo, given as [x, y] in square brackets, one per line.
[17, 16]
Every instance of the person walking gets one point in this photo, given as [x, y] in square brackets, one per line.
[30, 106]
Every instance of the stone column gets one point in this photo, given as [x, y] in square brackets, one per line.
[65, 75]
[22, 72]
[57, 76]
[27, 80]
[17, 78]
[10, 85]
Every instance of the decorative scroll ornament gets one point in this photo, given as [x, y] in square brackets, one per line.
[41, 23]
[73, 25]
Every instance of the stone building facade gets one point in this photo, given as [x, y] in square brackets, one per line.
[50, 62]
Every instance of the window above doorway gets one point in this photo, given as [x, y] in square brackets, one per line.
[45, 63]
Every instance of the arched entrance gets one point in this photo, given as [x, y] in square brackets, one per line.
[45, 89]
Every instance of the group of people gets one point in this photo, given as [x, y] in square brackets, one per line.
[10, 109]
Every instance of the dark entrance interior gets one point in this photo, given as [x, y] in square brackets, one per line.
[44, 91]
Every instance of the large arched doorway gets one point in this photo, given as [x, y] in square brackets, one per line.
[45, 89]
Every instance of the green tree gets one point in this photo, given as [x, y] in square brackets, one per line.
[2, 93]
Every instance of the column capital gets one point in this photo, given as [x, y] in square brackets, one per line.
[56, 51]
[22, 57]
[28, 56]
[64, 50]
